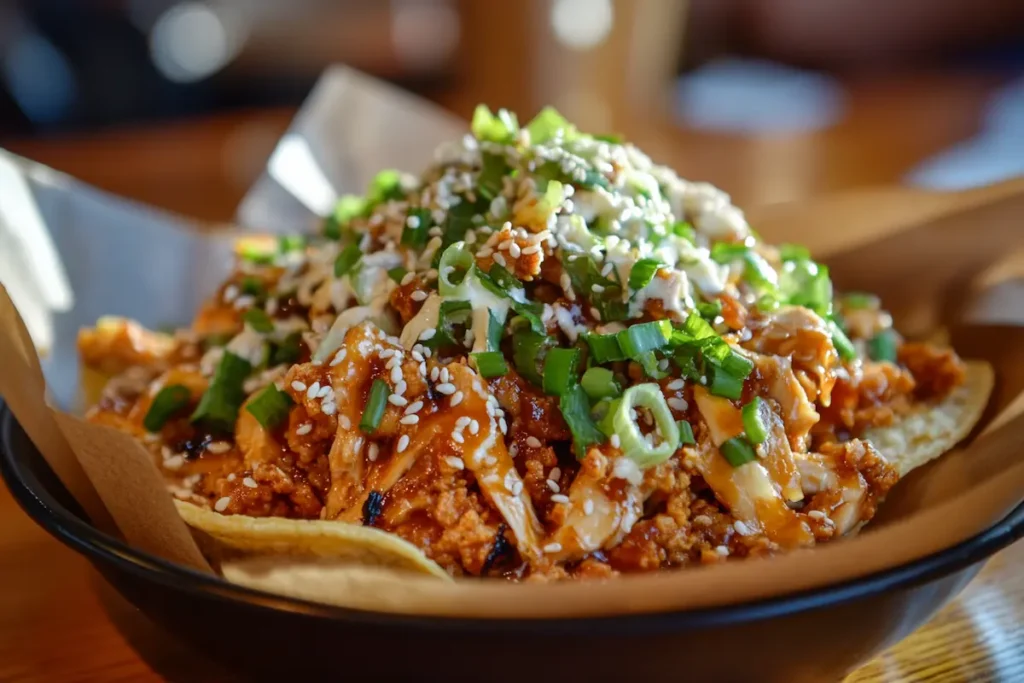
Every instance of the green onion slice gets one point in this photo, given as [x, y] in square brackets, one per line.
[547, 124]
[258, 320]
[631, 439]
[637, 340]
[385, 186]
[754, 420]
[375, 406]
[492, 174]
[487, 127]
[529, 350]
[416, 234]
[560, 366]
[490, 363]
[349, 207]
[685, 433]
[168, 401]
[222, 400]
[270, 407]
[287, 351]
[738, 451]
[347, 259]
[843, 345]
[453, 269]
[724, 252]
[397, 274]
[860, 300]
[600, 383]
[883, 346]
[575, 409]
[722, 383]
[604, 348]
[794, 252]
[642, 272]
[684, 230]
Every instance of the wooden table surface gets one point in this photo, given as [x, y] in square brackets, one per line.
[60, 622]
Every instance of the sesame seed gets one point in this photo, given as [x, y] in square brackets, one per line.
[410, 419]
[338, 357]
[675, 385]
[298, 386]
[232, 476]
[414, 407]
[413, 222]
[532, 249]
[324, 392]
[514, 250]
[222, 504]
[397, 400]
[312, 391]
[722, 551]
[588, 507]
[304, 429]
[387, 353]
[328, 408]
[504, 244]
[555, 473]
[372, 451]
[490, 461]
[533, 442]
[559, 498]
[218, 447]
[816, 514]
[400, 387]
[403, 443]
[345, 422]
[446, 388]
[396, 374]
[434, 373]
[458, 438]
[677, 404]
[418, 295]
[249, 482]
[499, 259]
[553, 485]
[474, 427]
[742, 529]
[596, 288]
[455, 462]
[428, 334]
[457, 399]
[175, 462]
[553, 547]
[230, 293]
[407, 278]
[416, 355]
[445, 375]
[423, 369]
[513, 450]
[503, 425]
[615, 441]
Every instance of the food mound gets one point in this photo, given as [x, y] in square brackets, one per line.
[547, 357]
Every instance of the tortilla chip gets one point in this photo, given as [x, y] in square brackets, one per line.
[932, 430]
[287, 540]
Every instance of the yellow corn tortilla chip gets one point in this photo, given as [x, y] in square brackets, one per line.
[932, 430]
[288, 539]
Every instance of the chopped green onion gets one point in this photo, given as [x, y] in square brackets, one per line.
[495, 331]
[560, 366]
[287, 351]
[505, 279]
[724, 384]
[487, 127]
[258, 320]
[289, 243]
[806, 283]
[528, 351]
[642, 272]
[417, 227]
[490, 363]
[610, 138]
[547, 124]
[632, 441]
[375, 406]
[724, 252]
[270, 407]
[637, 340]
[397, 274]
[385, 186]
[652, 368]
[575, 409]
[168, 401]
[794, 252]
[685, 433]
[738, 451]
[600, 383]
[710, 310]
[457, 222]
[349, 207]
[845, 348]
[451, 313]
[685, 230]
[759, 272]
[882, 347]
[491, 179]
[604, 348]
[222, 400]
[453, 268]
[253, 286]
[753, 420]
[860, 300]
[737, 364]
[347, 259]
[257, 252]
[768, 303]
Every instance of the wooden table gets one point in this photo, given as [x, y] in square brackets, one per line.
[60, 622]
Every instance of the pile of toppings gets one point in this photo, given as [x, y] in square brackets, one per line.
[611, 321]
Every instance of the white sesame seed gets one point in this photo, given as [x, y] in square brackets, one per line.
[499, 259]
[339, 357]
[741, 528]
[435, 372]
[372, 451]
[553, 485]
[222, 504]
[559, 498]
[474, 427]
[249, 482]
[517, 488]
[615, 441]
[445, 375]
[532, 249]
[304, 429]
[298, 386]
[400, 387]
[553, 547]
[514, 250]
[396, 400]
[407, 278]
[230, 293]
[410, 419]
[416, 355]
[455, 462]
[446, 388]
[328, 408]
[175, 462]
[513, 450]
[345, 422]
[490, 461]
[413, 222]
[396, 374]
[414, 407]
[418, 295]
[387, 353]
[596, 288]
[677, 403]
[324, 392]
[457, 399]
[403, 443]
[816, 514]
[428, 334]
[458, 438]
[218, 447]
[722, 551]
[588, 507]
[312, 391]
[675, 385]
[503, 425]
[232, 476]
[533, 442]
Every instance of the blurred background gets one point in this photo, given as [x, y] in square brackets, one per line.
[179, 103]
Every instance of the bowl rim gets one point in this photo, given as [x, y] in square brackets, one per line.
[102, 549]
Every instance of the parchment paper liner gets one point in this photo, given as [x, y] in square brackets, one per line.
[926, 253]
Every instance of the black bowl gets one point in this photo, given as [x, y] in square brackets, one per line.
[811, 636]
